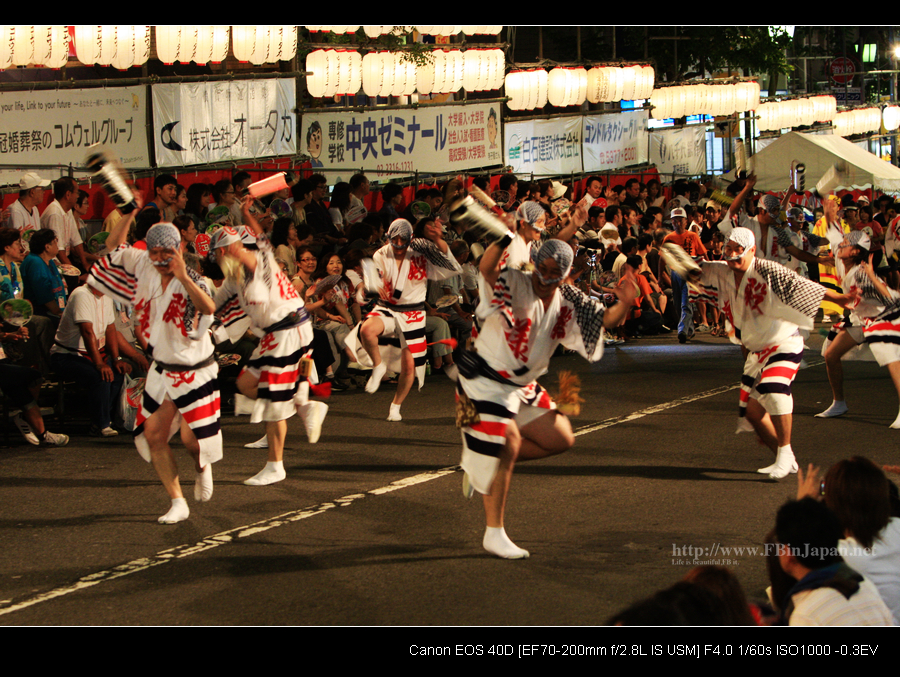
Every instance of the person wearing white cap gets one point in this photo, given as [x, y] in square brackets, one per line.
[393, 334]
[23, 213]
[173, 313]
[505, 415]
[874, 321]
[766, 304]
[257, 295]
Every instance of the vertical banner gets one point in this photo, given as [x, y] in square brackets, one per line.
[397, 143]
[616, 140]
[679, 151]
[544, 147]
[200, 123]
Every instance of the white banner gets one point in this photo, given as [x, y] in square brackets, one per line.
[207, 122]
[615, 140]
[56, 127]
[544, 147]
[397, 143]
[679, 151]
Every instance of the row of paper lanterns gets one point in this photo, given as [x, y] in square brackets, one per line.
[126, 46]
[563, 87]
[26, 45]
[384, 74]
[860, 121]
[377, 31]
[796, 112]
[704, 99]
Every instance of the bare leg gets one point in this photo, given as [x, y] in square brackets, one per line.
[841, 345]
[276, 433]
[775, 432]
[203, 484]
[548, 435]
[407, 376]
[371, 329]
[156, 431]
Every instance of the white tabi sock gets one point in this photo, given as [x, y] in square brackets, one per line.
[203, 485]
[273, 472]
[395, 413]
[784, 465]
[374, 382]
[177, 513]
[837, 408]
[497, 543]
[896, 424]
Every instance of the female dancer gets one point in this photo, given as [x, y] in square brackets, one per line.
[255, 292]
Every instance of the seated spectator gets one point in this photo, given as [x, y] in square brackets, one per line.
[21, 385]
[827, 591]
[86, 350]
[41, 279]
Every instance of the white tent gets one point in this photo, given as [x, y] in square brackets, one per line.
[819, 152]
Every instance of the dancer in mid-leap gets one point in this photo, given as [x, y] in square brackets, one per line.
[173, 311]
[255, 292]
[504, 414]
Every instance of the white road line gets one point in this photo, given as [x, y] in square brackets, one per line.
[215, 541]
[229, 536]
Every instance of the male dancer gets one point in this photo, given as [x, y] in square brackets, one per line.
[766, 304]
[508, 416]
[173, 313]
[393, 334]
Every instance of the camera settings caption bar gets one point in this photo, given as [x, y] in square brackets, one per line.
[609, 650]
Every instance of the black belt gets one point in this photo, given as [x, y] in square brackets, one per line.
[472, 365]
[295, 319]
[160, 366]
[405, 307]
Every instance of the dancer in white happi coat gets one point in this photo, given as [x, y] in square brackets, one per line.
[506, 415]
[173, 312]
[873, 328]
[765, 304]
[256, 293]
[393, 334]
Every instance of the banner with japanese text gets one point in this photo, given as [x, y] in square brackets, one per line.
[615, 140]
[56, 127]
[396, 143]
[679, 151]
[207, 122]
[544, 147]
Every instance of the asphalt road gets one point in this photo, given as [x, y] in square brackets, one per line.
[371, 528]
